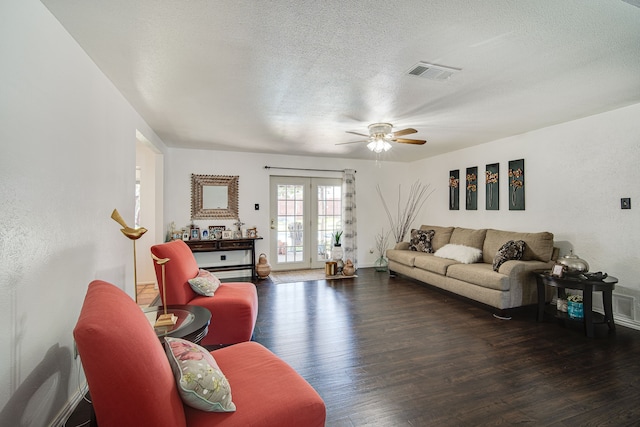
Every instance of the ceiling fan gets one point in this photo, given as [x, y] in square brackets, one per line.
[381, 135]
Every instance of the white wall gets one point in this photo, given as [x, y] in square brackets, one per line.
[575, 175]
[67, 140]
[254, 188]
[150, 161]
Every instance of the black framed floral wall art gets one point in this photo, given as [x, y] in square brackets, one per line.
[471, 202]
[516, 185]
[454, 190]
[492, 187]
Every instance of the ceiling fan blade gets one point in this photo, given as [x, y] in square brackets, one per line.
[406, 131]
[352, 142]
[357, 133]
[411, 141]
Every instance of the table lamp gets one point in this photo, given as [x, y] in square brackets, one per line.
[165, 319]
[132, 234]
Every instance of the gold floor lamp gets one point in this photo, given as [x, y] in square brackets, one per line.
[132, 234]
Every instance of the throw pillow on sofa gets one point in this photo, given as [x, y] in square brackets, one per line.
[200, 382]
[512, 250]
[421, 240]
[204, 283]
[460, 253]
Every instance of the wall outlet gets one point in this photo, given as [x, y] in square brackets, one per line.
[625, 203]
[257, 206]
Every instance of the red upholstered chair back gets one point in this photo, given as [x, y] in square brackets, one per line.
[129, 376]
[181, 267]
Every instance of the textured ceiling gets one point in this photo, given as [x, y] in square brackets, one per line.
[293, 77]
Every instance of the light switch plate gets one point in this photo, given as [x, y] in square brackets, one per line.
[625, 203]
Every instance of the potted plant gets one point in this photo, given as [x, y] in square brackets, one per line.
[337, 253]
[575, 307]
[336, 238]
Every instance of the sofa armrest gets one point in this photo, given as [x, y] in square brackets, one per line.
[402, 246]
[513, 267]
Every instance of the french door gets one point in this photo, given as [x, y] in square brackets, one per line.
[305, 213]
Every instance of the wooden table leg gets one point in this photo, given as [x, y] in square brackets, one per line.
[541, 298]
[587, 296]
[608, 310]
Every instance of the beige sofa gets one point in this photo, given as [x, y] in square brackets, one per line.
[511, 286]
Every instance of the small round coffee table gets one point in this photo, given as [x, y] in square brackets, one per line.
[192, 325]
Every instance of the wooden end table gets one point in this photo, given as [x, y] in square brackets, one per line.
[192, 325]
[587, 286]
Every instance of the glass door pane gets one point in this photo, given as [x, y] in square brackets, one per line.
[289, 230]
[328, 217]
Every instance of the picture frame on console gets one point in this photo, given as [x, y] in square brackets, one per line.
[227, 234]
[195, 233]
[215, 231]
[557, 270]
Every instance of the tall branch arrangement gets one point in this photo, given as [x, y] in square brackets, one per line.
[382, 241]
[405, 215]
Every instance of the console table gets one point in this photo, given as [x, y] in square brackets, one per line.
[226, 245]
[588, 286]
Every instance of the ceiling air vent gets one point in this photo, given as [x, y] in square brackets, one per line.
[431, 71]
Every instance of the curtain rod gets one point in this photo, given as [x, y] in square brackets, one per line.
[302, 169]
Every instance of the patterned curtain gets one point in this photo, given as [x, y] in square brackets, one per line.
[349, 222]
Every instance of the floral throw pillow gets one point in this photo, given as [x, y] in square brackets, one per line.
[204, 283]
[421, 240]
[200, 382]
[512, 250]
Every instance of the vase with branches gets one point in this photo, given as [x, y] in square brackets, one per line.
[382, 241]
[406, 214]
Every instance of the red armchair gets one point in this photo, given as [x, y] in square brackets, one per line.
[234, 307]
[132, 384]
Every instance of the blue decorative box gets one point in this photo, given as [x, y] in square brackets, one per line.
[575, 310]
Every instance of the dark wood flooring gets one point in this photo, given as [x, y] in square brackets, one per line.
[393, 352]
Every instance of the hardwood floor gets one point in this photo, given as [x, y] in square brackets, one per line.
[392, 352]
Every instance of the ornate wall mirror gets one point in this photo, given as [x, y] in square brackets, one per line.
[214, 196]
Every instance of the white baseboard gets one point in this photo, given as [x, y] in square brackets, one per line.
[67, 410]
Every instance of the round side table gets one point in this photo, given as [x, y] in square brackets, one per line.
[192, 325]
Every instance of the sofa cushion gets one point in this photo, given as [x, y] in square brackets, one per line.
[480, 274]
[401, 256]
[441, 236]
[201, 383]
[512, 250]
[434, 264]
[539, 245]
[205, 283]
[468, 237]
[421, 240]
[460, 253]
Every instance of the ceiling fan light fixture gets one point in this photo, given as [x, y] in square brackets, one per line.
[378, 145]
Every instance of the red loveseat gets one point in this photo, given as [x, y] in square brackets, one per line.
[234, 307]
[132, 384]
